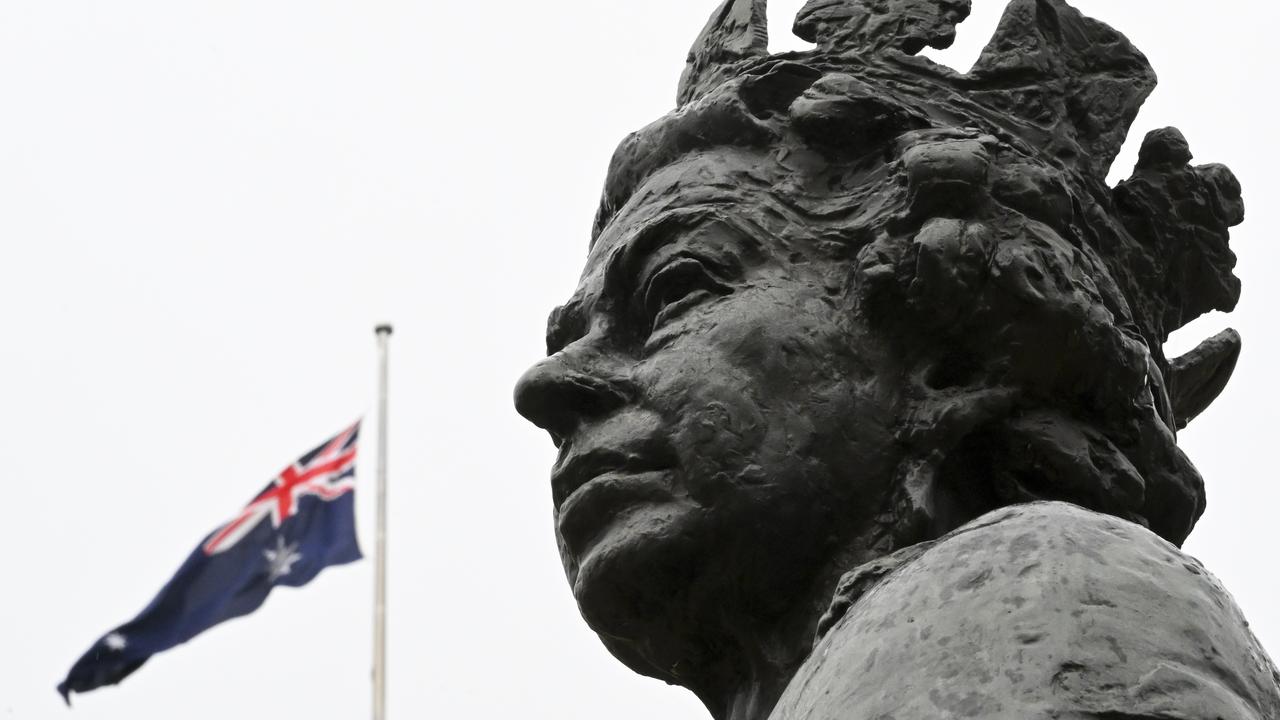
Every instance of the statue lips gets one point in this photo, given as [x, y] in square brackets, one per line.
[592, 488]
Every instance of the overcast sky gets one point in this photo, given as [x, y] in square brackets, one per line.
[205, 207]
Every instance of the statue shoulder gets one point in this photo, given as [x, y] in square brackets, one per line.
[1037, 610]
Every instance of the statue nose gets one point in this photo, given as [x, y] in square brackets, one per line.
[557, 397]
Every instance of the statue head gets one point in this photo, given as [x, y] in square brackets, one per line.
[845, 300]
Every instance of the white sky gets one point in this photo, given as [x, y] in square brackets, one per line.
[205, 207]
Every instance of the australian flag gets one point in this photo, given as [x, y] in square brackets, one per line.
[303, 522]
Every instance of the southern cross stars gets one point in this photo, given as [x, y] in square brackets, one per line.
[280, 560]
[115, 641]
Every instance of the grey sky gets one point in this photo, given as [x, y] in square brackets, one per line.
[205, 208]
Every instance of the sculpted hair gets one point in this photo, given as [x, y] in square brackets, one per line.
[1029, 301]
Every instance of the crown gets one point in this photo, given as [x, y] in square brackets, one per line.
[1057, 79]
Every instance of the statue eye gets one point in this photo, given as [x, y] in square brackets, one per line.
[676, 287]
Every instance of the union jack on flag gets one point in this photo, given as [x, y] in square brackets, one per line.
[303, 522]
[328, 472]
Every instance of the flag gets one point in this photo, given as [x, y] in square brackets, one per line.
[301, 523]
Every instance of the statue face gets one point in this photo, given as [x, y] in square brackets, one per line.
[720, 414]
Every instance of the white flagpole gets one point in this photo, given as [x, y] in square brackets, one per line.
[383, 333]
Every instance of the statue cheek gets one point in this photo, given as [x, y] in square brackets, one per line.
[780, 334]
[738, 396]
[720, 430]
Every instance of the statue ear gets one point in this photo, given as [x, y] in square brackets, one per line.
[1076, 80]
[1197, 378]
[738, 31]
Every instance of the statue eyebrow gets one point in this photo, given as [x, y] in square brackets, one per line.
[619, 275]
[567, 323]
[564, 326]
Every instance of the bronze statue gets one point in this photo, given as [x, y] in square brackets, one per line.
[861, 401]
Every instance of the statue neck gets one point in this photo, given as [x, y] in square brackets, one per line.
[759, 660]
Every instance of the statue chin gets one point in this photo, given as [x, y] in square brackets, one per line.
[628, 558]
[632, 582]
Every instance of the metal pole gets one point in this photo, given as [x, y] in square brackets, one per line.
[383, 333]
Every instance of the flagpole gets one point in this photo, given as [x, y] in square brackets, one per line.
[383, 333]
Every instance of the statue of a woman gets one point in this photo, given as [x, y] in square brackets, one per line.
[861, 401]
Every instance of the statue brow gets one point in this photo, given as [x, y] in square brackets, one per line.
[567, 323]
[656, 234]
[564, 326]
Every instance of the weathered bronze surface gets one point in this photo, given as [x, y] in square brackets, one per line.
[861, 401]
